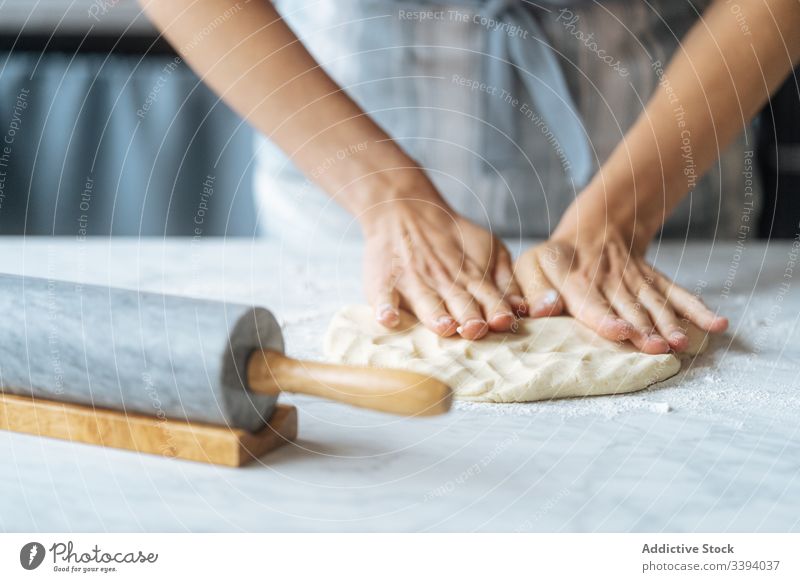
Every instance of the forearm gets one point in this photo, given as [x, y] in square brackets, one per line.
[714, 85]
[253, 60]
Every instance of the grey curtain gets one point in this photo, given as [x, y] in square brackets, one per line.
[99, 145]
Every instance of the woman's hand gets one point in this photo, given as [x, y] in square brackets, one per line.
[604, 281]
[596, 270]
[453, 275]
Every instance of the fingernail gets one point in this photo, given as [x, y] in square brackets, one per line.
[387, 309]
[502, 318]
[461, 328]
[720, 324]
[658, 339]
[550, 297]
[623, 329]
[547, 300]
[503, 314]
[445, 320]
[678, 337]
[610, 320]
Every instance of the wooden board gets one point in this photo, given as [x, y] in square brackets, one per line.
[146, 434]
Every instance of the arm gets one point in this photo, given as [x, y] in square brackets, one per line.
[593, 265]
[715, 84]
[455, 276]
[253, 60]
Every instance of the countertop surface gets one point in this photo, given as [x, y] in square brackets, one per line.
[715, 448]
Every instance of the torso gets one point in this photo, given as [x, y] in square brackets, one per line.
[412, 76]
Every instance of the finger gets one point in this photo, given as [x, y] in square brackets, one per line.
[467, 313]
[543, 300]
[590, 307]
[663, 315]
[582, 298]
[689, 306]
[628, 308]
[497, 311]
[507, 284]
[429, 308]
[386, 301]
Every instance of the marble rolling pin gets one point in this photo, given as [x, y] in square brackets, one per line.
[175, 357]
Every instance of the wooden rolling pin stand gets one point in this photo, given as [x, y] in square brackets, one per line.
[177, 439]
[392, 391]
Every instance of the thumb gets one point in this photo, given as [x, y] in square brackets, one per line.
[542, 297]
[384, 298]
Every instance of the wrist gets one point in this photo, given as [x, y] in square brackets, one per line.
[372, 179]
[390, 210]
[602, 213]
[390, 195]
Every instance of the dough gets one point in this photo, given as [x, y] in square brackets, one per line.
[547, 358]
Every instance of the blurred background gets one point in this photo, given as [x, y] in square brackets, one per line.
[110, 133]
[116, 136]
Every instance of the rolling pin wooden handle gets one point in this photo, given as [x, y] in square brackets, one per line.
[393, 391]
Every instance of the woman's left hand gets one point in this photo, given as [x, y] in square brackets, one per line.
[605, 282]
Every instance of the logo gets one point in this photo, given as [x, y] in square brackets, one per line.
[31, 555]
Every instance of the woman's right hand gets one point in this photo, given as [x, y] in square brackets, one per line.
[455, 276]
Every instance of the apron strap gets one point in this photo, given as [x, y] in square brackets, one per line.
[510, 51]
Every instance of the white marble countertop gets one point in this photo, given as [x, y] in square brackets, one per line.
[714, 449]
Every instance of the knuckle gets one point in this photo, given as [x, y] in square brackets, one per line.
[634, 278]
[509, 288]
[583, 278]
[411, 279]
[695, 305]
[460, 296]
[438, 271]
[481, 291]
